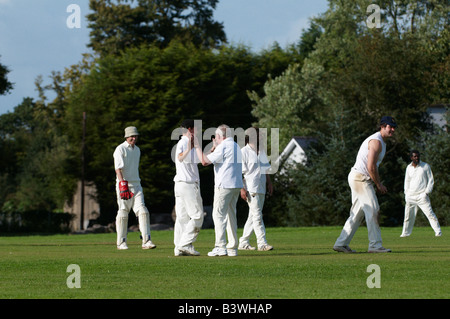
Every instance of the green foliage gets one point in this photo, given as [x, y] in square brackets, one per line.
[158, 62]
[290, 103]
[151, 87]
[5, 85]
[435, 148]
[38, 168]
[318, 193]
[308, 39]
[154, 89]
[354, 76]
[121, 24]
[40, 222]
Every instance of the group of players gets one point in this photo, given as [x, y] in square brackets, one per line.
[243, 172]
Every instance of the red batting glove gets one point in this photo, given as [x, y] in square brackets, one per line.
[124, 191]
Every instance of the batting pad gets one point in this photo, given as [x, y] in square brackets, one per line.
[144, 224]
[121, 226]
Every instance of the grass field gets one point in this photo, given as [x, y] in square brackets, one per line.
[301, 266]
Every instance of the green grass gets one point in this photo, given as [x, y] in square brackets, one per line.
[302, 265]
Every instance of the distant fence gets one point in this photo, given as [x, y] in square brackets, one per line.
[35, 222]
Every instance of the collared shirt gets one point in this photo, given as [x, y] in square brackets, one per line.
[187, 170]
[126, 158]
[254, 168]
[418, 179]
[227, 160]
[363, 153]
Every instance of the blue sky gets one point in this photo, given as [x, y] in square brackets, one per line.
[35, 39]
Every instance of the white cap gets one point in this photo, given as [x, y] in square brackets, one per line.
[131, 131]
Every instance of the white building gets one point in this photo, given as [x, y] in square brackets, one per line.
[294, 152]
[437, 114]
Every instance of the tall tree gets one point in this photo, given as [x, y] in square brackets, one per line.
[120, 24]
[308, 39]
[5, 85]
[361, 74]
[37, 167]
[154, 88]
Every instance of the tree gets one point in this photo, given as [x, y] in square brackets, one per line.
[308, 39]
[435, 147]
[121, 24]
[37, 167]
[320, 193]
[154, 88]
[356, 75]
[5, 85]
[291, 103]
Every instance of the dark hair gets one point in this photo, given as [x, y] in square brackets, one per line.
[187, 124]
[247, 136]
[414, 152]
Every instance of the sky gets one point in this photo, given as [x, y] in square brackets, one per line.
[39, 36]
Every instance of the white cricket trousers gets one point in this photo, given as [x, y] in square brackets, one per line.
[137, 204]
[414, 202]
[364, 204]
[224, 217]
[189, 213]
[255, 220]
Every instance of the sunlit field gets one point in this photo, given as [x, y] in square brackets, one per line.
[301, 266]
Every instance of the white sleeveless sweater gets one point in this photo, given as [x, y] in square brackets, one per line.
[361, 158]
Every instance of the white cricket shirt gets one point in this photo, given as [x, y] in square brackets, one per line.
[418, 179]
[127, 159]
[227, 160]
[186, 170]
[254, 168]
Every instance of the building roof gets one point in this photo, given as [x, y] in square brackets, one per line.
[301, 143]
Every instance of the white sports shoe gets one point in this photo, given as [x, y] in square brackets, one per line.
[232, 252]
[217, 252]
[246, 247]
[177, 252]
[189, 250]
[148, 245]
[265, 247]
[122, 246]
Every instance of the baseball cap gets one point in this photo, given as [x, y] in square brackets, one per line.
[388, 120]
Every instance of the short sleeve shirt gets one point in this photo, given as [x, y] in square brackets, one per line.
[187, 170]
[254, 167]
[127, 159]
[227, 160]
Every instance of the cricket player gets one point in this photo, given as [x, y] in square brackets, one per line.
[188, 200]
[226, 157]
[254, 166]
[129, 190]
[362, 178]
[419, 184]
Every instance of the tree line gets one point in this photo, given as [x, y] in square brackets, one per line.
[158, 62]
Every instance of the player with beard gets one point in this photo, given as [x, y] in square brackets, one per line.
[419, 184]
[362, 178]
